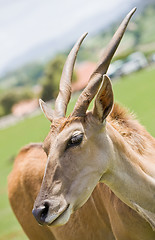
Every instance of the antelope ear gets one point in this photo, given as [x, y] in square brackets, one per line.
[104, 100]
[48, 112]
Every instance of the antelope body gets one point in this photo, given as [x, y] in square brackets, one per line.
[94, 176]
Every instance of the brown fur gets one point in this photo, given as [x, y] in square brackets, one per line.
[130, 129]
[68, 121]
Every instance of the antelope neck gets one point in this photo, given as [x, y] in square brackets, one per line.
[130, 176]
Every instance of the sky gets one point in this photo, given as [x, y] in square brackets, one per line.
[27, 23]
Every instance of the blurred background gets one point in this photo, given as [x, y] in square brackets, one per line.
[36, 37]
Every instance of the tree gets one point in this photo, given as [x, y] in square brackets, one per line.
[7, 101]
[51, 78]
[9, 98]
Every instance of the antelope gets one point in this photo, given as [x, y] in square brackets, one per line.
[93, 177]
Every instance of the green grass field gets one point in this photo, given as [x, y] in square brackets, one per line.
[136, 91]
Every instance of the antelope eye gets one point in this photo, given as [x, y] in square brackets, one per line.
[75, 140]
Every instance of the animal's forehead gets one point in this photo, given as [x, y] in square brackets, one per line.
[57, 124]
[60, 124]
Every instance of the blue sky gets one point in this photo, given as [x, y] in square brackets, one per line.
[27, 23]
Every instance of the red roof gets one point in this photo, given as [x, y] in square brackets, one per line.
[83, 72]
[24, 107]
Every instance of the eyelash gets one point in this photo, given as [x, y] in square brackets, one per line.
[75, 141]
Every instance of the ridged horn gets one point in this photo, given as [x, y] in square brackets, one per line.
[95, 80]
[65, 81]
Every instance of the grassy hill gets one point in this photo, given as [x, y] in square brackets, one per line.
[135, 91]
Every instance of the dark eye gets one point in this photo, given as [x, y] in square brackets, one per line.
[75, 141]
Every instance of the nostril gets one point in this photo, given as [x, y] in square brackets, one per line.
[41, 213]
[44, 212]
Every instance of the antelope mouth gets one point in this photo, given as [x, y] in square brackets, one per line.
[60, 218]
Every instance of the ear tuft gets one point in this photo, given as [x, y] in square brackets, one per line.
[48, 112]
[104, 100]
